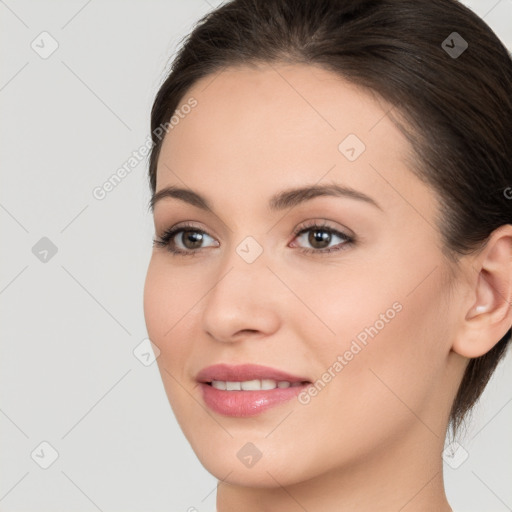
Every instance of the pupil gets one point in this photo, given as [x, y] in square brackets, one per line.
[192, 236]
[319, 235]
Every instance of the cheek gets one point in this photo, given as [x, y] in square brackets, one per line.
[154, 299]
[385, 311]
[388, 351]
[168, 312]
[343, 306]
[168, 296]
[168, 306]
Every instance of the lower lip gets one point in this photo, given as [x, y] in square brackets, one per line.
[246, 403]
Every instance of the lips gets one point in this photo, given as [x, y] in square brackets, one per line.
[245, 372]
[260, 388]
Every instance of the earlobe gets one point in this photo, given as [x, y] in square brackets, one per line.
[489, 315]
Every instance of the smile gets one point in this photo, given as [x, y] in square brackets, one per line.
[253, 385]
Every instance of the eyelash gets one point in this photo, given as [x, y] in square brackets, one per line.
[168, 235]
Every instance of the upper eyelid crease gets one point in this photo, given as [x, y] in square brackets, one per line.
[280, 201]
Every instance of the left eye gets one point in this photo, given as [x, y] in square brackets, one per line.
[319, 237]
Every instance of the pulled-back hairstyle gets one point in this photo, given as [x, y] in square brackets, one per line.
[455, 109]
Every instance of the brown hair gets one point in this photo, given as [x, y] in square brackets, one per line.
[459, 105]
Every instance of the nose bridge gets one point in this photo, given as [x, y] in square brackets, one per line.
[240, 299]
[242, 272]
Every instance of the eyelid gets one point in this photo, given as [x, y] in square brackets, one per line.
[322, 222]
[188, 226]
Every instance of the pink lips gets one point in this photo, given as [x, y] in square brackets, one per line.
[246, 403]
[244, 372]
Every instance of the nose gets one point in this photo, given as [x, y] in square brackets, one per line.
[244, 301]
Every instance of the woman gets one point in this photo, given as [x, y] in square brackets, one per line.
[331, 282]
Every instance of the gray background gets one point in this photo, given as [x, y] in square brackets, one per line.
[69, 325]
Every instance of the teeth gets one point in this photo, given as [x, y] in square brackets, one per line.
[219, 384]
[252, 385]
[268, 384]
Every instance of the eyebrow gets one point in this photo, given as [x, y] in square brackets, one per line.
[280, 201]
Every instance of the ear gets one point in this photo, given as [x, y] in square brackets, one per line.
[487, 313]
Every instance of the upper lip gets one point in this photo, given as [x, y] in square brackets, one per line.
[243, 372]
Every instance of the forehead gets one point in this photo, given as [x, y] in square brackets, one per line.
[271, 105]
[258, 129]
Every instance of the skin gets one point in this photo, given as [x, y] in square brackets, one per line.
[373, 437]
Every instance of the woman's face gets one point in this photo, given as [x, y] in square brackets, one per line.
[368, 324]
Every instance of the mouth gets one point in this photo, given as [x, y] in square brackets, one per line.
[243, 373]
[247, 390]
[254, 385]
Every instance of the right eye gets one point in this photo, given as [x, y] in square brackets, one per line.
[191, 238]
